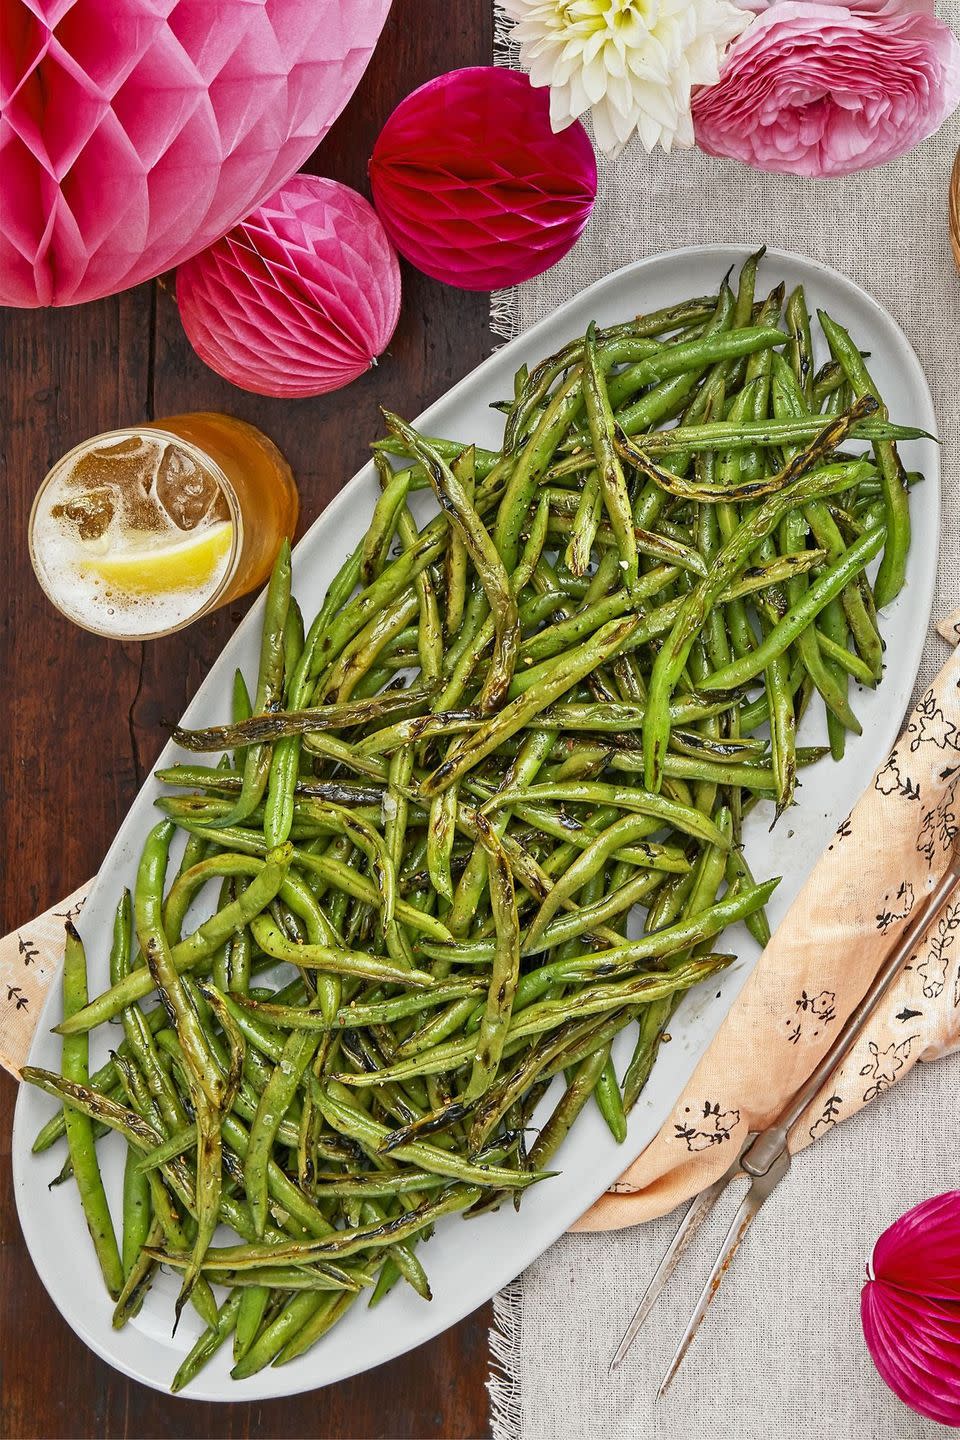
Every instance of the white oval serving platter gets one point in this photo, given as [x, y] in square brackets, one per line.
[468, 1261]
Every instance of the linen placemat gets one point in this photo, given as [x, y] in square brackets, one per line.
[782, 1353]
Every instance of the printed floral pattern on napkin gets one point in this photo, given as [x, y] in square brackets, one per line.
[29, 961]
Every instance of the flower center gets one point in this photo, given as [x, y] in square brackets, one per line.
[594, 15]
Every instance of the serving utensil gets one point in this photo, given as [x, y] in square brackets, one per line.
[764, 1158]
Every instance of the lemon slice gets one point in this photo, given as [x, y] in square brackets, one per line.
[155, 569]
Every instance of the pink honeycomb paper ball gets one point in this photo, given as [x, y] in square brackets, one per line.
[299, 298]
[134, 132]
[473, 186]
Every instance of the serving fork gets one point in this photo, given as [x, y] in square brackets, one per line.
[764, 1157]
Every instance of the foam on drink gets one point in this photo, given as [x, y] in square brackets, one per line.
[133, 535]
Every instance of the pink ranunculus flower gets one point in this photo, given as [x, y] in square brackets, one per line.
[827, 88]
[860, 7]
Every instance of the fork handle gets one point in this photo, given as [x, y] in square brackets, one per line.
[771, 1142]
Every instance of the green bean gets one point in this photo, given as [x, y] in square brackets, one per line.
[584, 868]
[717, 347]
[357, 1015]
[653, 1019]
[586, 521]
[743, 776]
[586, 918]
[853, 665]
[104, 1081]
[139, 1279]
[280, 1187]
[332, 960]
[574, 1098]
[298, 1051]
[457, 505]
[284, 1278]
[619, 717]
[564, 674]
[137, 1191]
[189, 952]
[857, 603]
[531, 756]
[137, 1218]
[272, 1338]
[179, 1142]
[530, 464]
[465, 471]
[556, 639]
[613, 485]
[783, 634]
[696, 355]
[421, 727]
[543, 375]
[606, 1092]
[257, 762]
[241, 706]
[890, 577]
[341, 753]
[763, 521]
[767, 434]
[318, 1325]
[210, 1089]
[375, 545]
[293, 643]
[209, 1342]
[636, 989]
[360, 653]
[505, 970]
[440, 838]
[251, 1309]
[343, 1115]
[74, 1095]
[83, 1155]
[670, 940]
[201, 777]
[682, 817]
[801, 342]
[739, 872]
[478, 639]
[327, 868]
[302, 722]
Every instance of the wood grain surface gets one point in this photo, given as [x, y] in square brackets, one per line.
[83, 721]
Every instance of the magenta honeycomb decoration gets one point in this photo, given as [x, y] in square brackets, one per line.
[472, 184]
[300, 297]
[135, 132]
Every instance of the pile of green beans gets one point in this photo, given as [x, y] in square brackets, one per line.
[508, 733]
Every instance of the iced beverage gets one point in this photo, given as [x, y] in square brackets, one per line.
[137, 532]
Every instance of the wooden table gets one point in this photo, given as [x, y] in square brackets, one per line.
[84, 721]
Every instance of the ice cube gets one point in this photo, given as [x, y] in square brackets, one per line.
[130, 459]
[187, 492]
[90, 512]
[128, 466]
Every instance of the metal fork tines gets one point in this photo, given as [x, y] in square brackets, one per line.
[764, 1159]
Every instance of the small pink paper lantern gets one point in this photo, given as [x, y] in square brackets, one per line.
[910, 1307]
[473, 186]
[134, 132]
[299, 298]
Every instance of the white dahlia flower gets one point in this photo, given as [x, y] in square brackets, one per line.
[633, 63]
